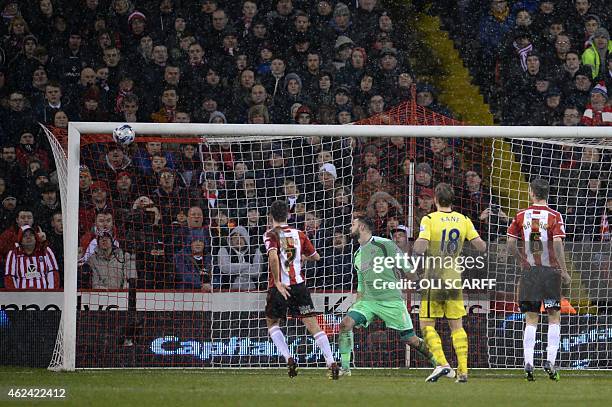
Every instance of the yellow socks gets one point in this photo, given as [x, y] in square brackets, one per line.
[460, 343]
[435, 344]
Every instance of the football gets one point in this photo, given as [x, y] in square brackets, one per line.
[124, 135]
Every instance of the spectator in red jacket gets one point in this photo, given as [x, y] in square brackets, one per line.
[31, 265]
[598, 112]
[9, 237]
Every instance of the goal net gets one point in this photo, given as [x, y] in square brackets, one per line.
[180, 217]
[579, 173]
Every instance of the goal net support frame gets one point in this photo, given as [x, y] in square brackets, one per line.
[68, 325]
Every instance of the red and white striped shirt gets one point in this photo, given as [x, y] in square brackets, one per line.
[37, 271]
[292, 246]
[537, 226]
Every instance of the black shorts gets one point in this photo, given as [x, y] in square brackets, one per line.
[299, 304]
[540, 284]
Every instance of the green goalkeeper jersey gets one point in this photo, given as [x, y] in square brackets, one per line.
[372, 272]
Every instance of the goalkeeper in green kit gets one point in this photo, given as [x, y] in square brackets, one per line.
[372, 299]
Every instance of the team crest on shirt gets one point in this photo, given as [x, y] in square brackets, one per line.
[32, 272]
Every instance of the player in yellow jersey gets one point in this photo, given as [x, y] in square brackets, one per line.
[441, 236]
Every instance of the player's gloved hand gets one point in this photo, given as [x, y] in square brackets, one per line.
[283, 289]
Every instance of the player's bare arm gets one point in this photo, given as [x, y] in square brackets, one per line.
[275, 268]
[314, 257]
[479, 244]
[560, 255]
[420, 246]
[512, 245]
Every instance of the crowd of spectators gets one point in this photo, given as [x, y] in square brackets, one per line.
[539, 62]
[159, 215]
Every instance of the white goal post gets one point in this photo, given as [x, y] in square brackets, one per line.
[68, 325]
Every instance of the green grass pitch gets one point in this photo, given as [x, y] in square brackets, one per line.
[272, 387]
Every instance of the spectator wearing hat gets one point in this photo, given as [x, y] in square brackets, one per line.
[322, 195]
[23, 216]
[239, 262]
[427, 97]
[373, 182]
[8, 207]
[341, 22]
[193, 264]
[24, 63]
[137, 23]
[550, 113]
[24, 268]
[579, 92]
[381, 207]
[342, 97]
[74, 57]
[291, 93]
[111, 267]
[344, 115]
[402, 236]
[10, 169]
[164, 16]
[596, 55]
[48, 204]
[29, 148]
[599, 111]
[388, 69]
[297, 55]
[425, 204]
[423, 176]
[513, 57]
[342, 51]
[304, 115]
